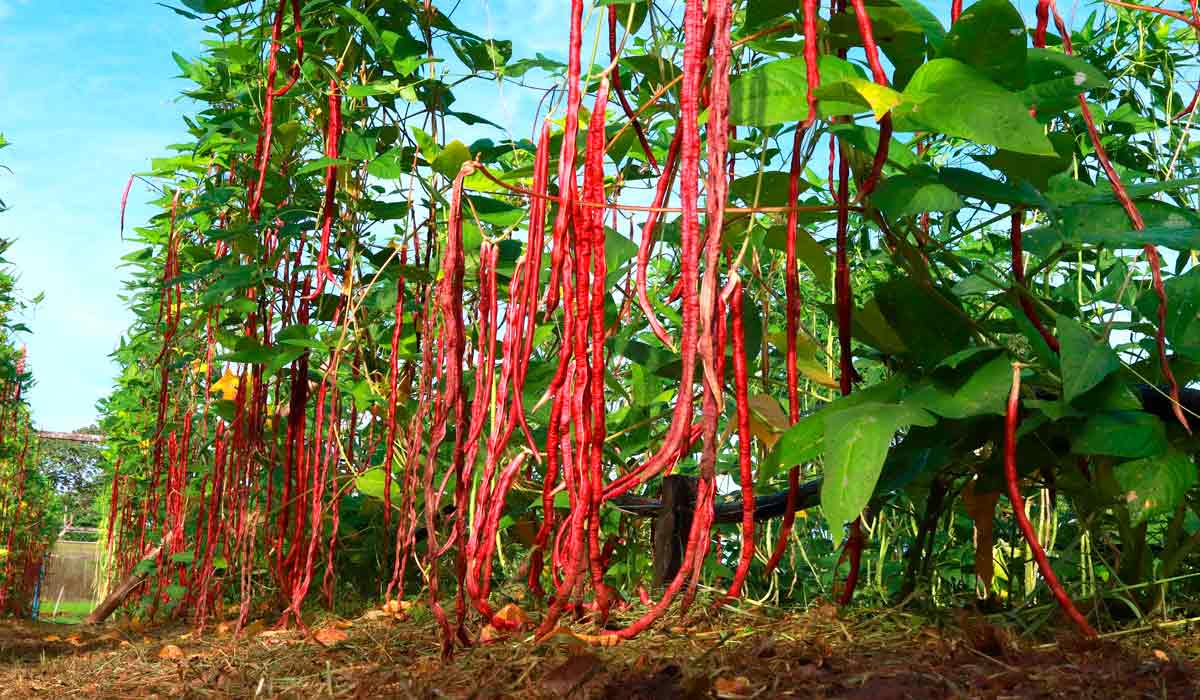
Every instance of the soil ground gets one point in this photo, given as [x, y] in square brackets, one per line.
[814, 654]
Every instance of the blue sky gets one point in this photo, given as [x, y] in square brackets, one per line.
[88, 97]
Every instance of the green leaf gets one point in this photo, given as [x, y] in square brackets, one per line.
[1055, 80]
[185, 557]
[1155, 485]
[908, 195]
[776, 92]
[450, 160]
[321, 164]
[970, 183]
[990, 37]
[759, 12]
[371, 482]
[866, 140]
[855, 95]
[924, 318]
[363, 21]
[950, 97]
[1086, 361]
[935, 33]
[983, 393]
[1130, 434]
[771, 187]
[856, 444]
[808, 251]
[1091, 223]
[1037, 170]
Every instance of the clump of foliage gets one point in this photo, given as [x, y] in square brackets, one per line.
[362, 344]
[30, 512]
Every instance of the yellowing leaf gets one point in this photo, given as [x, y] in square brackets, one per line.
[880, 98]
[767, 419]
[227, 385]
[981, 507]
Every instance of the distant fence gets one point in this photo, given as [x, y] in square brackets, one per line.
[71, 571]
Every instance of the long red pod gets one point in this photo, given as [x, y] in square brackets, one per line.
[717, 130]
[712, 318]
[329, 205]
[566, 157]
[741, 388]
[594, 181]
[262, 155]
[449, 295]
[880, 76]
[700, 528]
[678, 433]
[1011, 420]
[125, 200]
[585, 488]
[615, 76]
[1191, 106]
[483, 540]
[1131, 210]
[1018, 272]
[811, 67]
[661, 194]
[792, 310]
[532, 279]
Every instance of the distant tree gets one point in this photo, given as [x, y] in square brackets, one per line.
[74, 470]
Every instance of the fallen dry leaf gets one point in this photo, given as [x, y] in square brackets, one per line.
[738, 687]
[511, 616]
[490, 634]
[329, 636]
[1161, 655]
[170, 653]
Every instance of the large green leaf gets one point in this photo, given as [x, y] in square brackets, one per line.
[983, 393]
[1086, 361]
[924, 317]
[935, 33]
[907, 195]
[1155, 485]
[1104, 224]
[759, 12]
[371, 483]
[1037, 170]
[808, 251]
[990, 37]
[856, 444]
[948, 96]
[1130, 434]
[776, 92]
[1054, 81]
